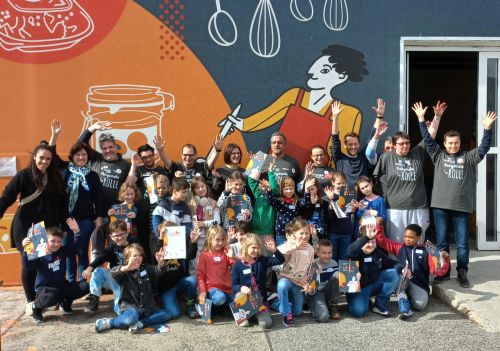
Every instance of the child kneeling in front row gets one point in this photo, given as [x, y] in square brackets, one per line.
[324, 302]
[51, 286]
[213, 271]
[137, 301]
[249, 273]
[419, 265]
[292, 282]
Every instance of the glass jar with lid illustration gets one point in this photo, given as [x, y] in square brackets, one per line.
[136, 113]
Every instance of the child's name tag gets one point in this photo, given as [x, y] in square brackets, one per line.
[175, 212]
[247, 271]
[368, 259]
[306, 253]
[217, 258]
[143, 273]
[291, 207]
[419, 251]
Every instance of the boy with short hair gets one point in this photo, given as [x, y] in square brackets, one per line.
[419, 265]
[324, 302]
[174, 208]
[101, 277]
[240, 231]
[51, 285]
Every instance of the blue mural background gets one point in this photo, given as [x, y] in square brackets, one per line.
[375, 29]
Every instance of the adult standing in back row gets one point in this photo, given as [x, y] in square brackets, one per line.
[454, 184]
[401, 176]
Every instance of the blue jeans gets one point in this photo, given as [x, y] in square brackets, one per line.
[340, 244]
[131, 316]
[383, 287]
[101, 277]
[291, 298]
[79, 246]
[219, 297]
[460, 221]
[186, 286]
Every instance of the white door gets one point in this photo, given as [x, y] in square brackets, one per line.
[488, 194]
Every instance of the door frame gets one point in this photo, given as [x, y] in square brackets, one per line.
[443, 44]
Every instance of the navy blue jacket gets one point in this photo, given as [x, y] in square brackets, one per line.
[417, 258]
[370, 265]
[50, 269]
[241, 274]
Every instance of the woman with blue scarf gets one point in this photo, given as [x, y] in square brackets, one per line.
[84, 190]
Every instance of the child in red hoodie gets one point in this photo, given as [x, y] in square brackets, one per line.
[419, 265]
[214, 268]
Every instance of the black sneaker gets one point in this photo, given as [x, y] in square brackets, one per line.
[381, 308]
[37, 315]
[93, 303]
[65, 307]
[191, 310]
[462, 278]
[288, 320]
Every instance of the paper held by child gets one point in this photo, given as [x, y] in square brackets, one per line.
[246, 306]
[236, 204]
[174, 242]
[435, 254]
[254, 167]
[205, 311]
[121, 212]
[151, 189]
[349, 276]
[38, 246]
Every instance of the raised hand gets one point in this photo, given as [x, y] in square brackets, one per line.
[195, 235]
[231, 233]
[439, 108]
[314, 231]
[329, 192]
[100, 125]
[308, 169]
[310, 182]
[229, 185]
[489, 119]
[381, 129]
[336, 108]
[134, 263]
[419, 110]
[136, 160]
[159, 255]
[73, 225]
[218, 142]
[264, 185]
[55, 126]
[380, 109]
[272, 164]
[270, 244]
[159, 142]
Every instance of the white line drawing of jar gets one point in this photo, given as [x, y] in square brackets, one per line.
[136, 113]
[34, 26]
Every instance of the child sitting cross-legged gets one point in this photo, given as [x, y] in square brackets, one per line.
[249, 273]
[419, 264]
[324, 302]
[51, 286]
[101, 277]
[379, 277]
[137, 302]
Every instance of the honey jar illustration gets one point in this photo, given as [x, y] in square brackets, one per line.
[136, 113]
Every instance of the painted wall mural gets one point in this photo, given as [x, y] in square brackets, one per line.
[190, 69]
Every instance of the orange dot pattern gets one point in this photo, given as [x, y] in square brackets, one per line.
[171, 13]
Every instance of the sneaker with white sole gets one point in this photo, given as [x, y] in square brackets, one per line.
[29, 308]
[405, 311]
[103, 324]
[136, 328]
[288, 321]
[381, 308]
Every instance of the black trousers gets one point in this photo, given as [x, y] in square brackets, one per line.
[47, 296]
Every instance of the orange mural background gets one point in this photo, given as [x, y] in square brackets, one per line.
[34, 94]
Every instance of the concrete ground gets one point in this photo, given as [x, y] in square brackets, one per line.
[476, 325]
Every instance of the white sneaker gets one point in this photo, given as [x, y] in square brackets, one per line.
[29, 308]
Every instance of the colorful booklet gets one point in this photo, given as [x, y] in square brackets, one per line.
[246, 306]
[349, 276]
[255, 165]
[121, 212]
[235, 206]
[346, 196]
[205, 311]
[151, 189]
[174, 242]
[38, 246]
[313, 275]
[434, 252]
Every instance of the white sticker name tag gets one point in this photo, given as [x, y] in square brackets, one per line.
[175, 212]
[247, 271]
[291, 207]
[143, 273]
[217, 258]
[368, 259]
[419, 251]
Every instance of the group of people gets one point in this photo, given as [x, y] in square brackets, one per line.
[360, 206]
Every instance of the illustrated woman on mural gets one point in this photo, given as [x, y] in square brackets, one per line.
[40, 188]
[305, 114]
[85, 205]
